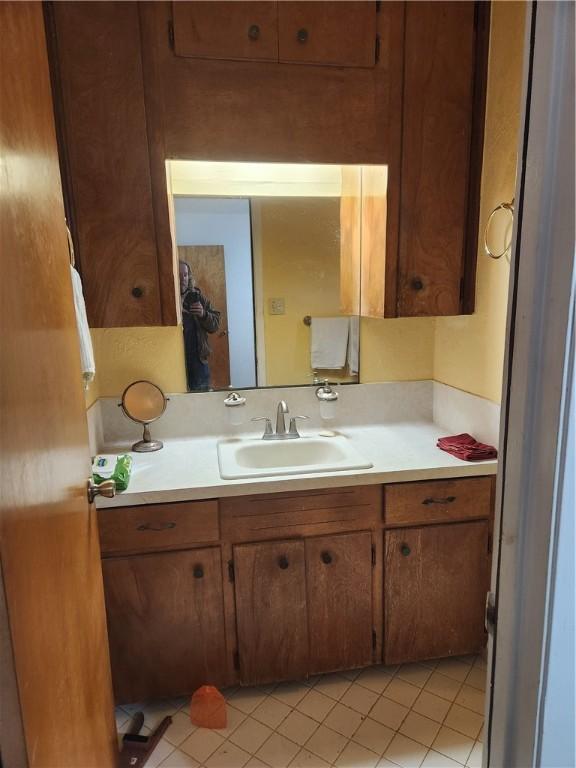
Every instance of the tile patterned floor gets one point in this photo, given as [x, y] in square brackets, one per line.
[428, 714]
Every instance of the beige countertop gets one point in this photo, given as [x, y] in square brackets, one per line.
[187, 469]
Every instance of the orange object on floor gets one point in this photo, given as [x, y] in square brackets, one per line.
[208, 708]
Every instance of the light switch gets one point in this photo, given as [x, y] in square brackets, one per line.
[276, 307]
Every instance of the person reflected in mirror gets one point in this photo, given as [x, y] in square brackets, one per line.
[199, 319]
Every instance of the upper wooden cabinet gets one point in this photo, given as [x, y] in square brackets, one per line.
[226, 30]
[331, 33]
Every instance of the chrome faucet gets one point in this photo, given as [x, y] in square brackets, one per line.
[281, 433]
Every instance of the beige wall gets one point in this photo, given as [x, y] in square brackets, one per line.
[466, 351]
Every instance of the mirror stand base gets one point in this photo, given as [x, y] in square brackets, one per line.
[147, 446]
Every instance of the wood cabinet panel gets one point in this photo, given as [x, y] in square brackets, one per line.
[438, 501]
[436, 579]
[165, 623]
[98, 71]
[270, 586]
[339, 589]
[154, 527]
[438, 112]
[338, 33]
[302, 513]
[226, 30]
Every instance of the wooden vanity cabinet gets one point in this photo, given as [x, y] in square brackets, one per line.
[165, 623]
[437, 556]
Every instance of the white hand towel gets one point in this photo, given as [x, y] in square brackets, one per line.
[84, 338]
[329, 341]
[354, 344]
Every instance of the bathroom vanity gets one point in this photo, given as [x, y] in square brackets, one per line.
[266, 587]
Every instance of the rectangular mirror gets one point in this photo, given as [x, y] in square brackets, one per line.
[270, 268]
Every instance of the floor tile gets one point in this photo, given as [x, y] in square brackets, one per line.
[229, 692]
[180, 729]
[121, 717]
[326, 743]
[401, 692]
[233, 719]
[160, 753]
[343, 720]
[247, 699]
[453, 668]
[228, 756]
[480, 736]
[316, 705]
[250, 735]
[436, 760]
[432, 706]
[464, 721]
[179, 759]
[255, 763]
[278, 751]
[453, 744]
[416, 674]
[389, 713]
[271, 712]
[334, 686]
[475, 758]
[373, 735]
[471, 698]
[420, 728]
[350, 674]
[477, 678]
[155, 711]
[359, 699]
[385, 763]
[405, 752]
[181, 702]
[374, 678]
[307, 759]
[445, 687]
[290, 693]
[480, 660]
[267, 689]
[356, 756]
[201, 744]
[298, 727]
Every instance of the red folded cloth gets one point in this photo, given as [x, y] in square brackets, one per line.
[465, 447]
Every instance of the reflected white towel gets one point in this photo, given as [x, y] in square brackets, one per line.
[329, 341]
[84, 338]
[354, 344]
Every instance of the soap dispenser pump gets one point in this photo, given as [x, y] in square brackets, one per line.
[328, 398]
[234, 411]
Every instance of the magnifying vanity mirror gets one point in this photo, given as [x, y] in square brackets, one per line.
[144, 402]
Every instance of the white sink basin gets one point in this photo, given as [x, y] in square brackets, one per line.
[264, 458]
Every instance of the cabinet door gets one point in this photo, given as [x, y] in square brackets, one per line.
[339, 584]
[435, 578]
[98, 75]
[165, 623]
[339, 33]
[439, 73]
[226, 30]
[270, 583]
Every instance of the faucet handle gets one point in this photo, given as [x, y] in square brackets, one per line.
[267, 426]
[293, 429]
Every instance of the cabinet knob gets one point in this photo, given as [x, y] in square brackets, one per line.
[302, 35]
[137, 292]
[283, 562]
[405, 550]
[326, 558]
[198, 572]
[254, 32]
[417, 283]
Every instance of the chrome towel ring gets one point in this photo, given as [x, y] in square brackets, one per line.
[487, 250]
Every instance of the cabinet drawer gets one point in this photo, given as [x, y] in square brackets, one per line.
[155, 527]
[303, 513]
[437, 501]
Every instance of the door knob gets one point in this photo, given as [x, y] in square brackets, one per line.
[107, 488]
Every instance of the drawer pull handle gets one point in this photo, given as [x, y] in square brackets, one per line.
[254, 32]
[198, 572]
[326, 558]
[160, 527]
[302, 35]
[447, 500]
[405, 550]
[283, 562]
